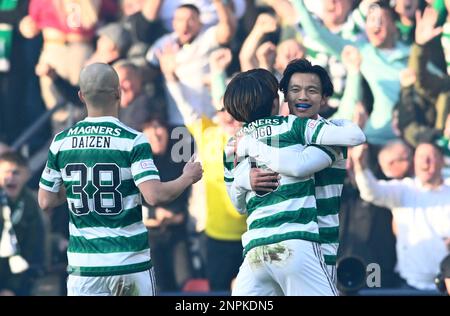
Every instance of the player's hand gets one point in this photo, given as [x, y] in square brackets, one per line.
[263, 181]
[193, 170]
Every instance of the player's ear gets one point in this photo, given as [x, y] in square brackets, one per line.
[80, 96]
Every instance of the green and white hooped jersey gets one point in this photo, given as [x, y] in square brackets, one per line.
[328, 188]
[289, 212]
[100, 162]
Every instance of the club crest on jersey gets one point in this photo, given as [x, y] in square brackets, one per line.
[312, 123]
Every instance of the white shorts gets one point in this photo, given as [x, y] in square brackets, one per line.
[134, 284]
[332, 273]
[291, 267]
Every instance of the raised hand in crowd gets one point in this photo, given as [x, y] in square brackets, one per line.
[425, 26]
[28, 28]
[359, 156]
[45, 70]
[351, 58]
[265, 23]
[219, 59]
[166, 57]
[407, 77]
[265, 54]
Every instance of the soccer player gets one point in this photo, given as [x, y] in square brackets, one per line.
[102, 167]
[306, 103]
[282, 253]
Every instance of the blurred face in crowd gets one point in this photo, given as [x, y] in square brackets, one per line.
[380, 28]
[304, 95]
[288, 50]
[428, 163]
[186, 24]
[406, 8]
[105, 45]
[335, 11]
[130, 85]
[12, 178]
[228, 123]
[157, 135]
[395, 161]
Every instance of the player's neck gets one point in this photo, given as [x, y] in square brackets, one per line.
[99, 112]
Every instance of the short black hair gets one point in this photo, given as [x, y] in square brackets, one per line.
[302, 65]
[190, 7]
[14, 157]
[385, 5]
[249, 96]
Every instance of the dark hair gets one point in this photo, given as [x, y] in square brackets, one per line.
[302, 65]
[385, 5]
[14, 157]
[425, 141]
[249, 95]
[190, 7]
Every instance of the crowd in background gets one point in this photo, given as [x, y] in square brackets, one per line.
[390, 66]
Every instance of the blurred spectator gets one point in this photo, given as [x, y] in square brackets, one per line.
[424, 103]
[395, 160]
[383, 58]
[224, 225]
[406, 10]
[337, 17]
[421, 210]
[208, 17]
[166, 223]
[20, 96]
[135, 102]
[113, 43]
[23, 234]
[189, 47]
[67, 28]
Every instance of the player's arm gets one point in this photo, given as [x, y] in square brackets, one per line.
[48, 200]
[238, 185]
[319, 133]
[51, 192]
[292, 163]
[156, 192]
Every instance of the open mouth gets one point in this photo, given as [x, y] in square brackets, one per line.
[303, 106]
[10, 186]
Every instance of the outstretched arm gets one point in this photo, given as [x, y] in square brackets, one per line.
[313, 29]
[292, 162]
[343, 133]
[156, 192]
